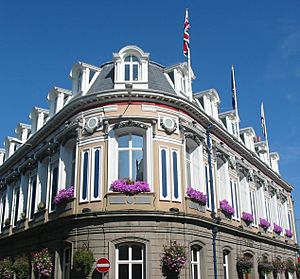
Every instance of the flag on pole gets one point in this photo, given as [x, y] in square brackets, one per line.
[263, 120]
[233, 89]
[186, 35]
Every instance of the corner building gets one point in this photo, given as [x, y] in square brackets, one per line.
[133, 118]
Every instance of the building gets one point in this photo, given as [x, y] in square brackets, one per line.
[133, 118]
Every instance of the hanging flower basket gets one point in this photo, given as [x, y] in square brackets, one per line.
[196, 196]
[173, 259]
[265, 267]
[42, 263]
[21, 267]
[244, 264]
[279, 266]
[129, 187]
[226, 209]
[290, 266]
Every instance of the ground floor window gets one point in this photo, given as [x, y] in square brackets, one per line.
[195, 262]
[130, 262]
[66, 263]
[226, 264]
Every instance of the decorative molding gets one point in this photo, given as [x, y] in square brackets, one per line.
[168, 130]
[13, 176]
[27, 165]
[130, 123]
[195, 138]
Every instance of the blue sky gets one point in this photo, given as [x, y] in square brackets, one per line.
[40, 41]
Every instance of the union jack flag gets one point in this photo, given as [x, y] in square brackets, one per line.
[186, 35]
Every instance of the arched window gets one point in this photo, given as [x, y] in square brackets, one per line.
[131, 156]
[196, 262]
[226, 254]
[130, 261]
[131, 68]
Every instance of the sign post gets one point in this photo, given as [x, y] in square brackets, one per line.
[103, 265]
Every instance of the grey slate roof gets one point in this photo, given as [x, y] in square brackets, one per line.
[157, 79]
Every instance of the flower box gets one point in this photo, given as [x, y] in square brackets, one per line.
[129, 187]
[64, 206]
[226, 209]
[39, 216]
[120, 199]
[195, 205]
[63, 196]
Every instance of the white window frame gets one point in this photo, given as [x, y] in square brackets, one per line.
[253, 206]
[101, 170]
[178, 174]
[54, 162]
[131, 63]
[236, 200]
[226, 263]
[32, 176]
[130, 150]
[130, 262]
[16, 212]
[161, 148]
[196, 262]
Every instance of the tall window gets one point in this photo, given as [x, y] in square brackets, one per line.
[2, 208]
[132, 68]
[53, 184]
[207, 186]
[176, 175]
[195, 262]
[279, 212]
[235, 198]
[193, 168]
[96, 183]
[66, 263]
[130, 261]
[268, 208]
[131, 157]
[85, 175]
[32, 206]
[164, 177]
[253, 206]
[226, 263]
[16, 205]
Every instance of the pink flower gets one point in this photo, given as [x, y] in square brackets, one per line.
[64, 195]
[129, 187]
[196, 196]
[226, 208]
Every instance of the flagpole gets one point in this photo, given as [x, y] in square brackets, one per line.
[189, 74]
[234, 101]
[264, 127]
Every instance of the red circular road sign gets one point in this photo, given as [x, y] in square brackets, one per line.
[103, 265]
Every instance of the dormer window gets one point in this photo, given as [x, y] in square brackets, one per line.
[132, 68]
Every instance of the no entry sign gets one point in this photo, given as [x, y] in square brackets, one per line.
[103, 265]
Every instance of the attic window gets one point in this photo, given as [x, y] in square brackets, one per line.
[132, 68]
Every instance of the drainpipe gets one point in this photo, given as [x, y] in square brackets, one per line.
[212, 195]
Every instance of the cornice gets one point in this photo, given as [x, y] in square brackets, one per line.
[81, 103]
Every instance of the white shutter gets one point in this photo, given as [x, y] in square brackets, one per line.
[196, 168]
[261, 210]
[274, 215]
[245, 195]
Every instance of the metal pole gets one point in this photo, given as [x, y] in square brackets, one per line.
[213, 213]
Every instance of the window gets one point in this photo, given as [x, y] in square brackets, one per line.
[279, 212]
[253, 206]
[195, 262]
[66, 263]
[131, 155]
[132, 68]
[235, 198]
[207, 186]
[16, 205]
[176, 174]
[79, 82]
[91, 174]
[2, 208]
[130, 262]
[53, 183]
[268, 209]
[32, 197]
[226, 263]
[164, 177]
[193, 165]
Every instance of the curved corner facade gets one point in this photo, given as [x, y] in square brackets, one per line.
[132, 118]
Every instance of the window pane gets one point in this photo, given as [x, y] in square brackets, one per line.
[137, 165]
[127, 58]
[17, 206]
[137, 141]
[175, 175]
[194, 253]
[127, 72]
[134, 59]
[33, 195]
[123, 164]
[124, 271]
[96, 172]
[137, 252]
[195, 273]
[123, 141]
[164, 173]
[135, 72]
[207, 186]
[123, 252]
[85, 175]
[137, 271]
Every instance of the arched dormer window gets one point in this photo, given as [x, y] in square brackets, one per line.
[131, 68]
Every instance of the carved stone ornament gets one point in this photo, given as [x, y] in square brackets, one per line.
[91, 125]
[250, 176]
[232, 162]
[192, 136]
[168, 124]
[130, 123]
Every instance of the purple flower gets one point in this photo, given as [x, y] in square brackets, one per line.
[129, 187]
[196, 196]
[277, 229]
[288, 233]
[226, 208]
[42, 262]
[264, 223]
[64, 195]
[247, 217]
